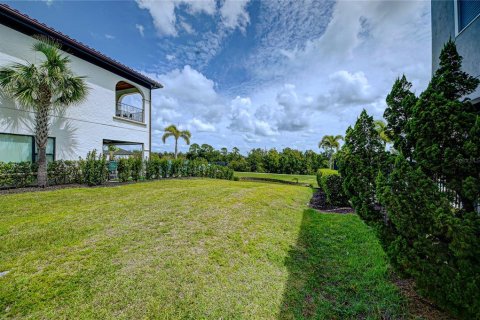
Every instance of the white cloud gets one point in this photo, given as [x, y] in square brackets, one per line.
[199, 125]
[313, 67]
[243, 119]
[165, 18]
[234, 14]
[141, 29]
[109, 36]
[189, 85]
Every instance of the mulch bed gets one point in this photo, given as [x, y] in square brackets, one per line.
[319, 202]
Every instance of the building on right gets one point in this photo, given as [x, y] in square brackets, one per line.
[460, 21]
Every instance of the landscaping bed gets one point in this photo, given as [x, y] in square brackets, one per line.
[319, 202]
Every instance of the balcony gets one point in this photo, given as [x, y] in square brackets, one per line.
[129, 112]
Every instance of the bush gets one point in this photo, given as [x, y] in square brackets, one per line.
[429, 232]
[331, 183]
[64, 172]
[95, 169]
[333, 188]
[440, 249]
[136, 167]
[123, 170]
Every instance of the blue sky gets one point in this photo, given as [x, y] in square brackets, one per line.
[256, 73]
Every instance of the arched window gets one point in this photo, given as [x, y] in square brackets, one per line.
[129, 102]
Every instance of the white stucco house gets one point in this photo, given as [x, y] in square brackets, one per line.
[117, 110]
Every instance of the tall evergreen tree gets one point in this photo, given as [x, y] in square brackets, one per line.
[361, 158]
[444, 127]
[400, 102]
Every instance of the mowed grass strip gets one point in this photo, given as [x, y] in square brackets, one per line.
[300, 178]
[195, 248]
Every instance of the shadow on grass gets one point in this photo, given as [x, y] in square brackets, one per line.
[337, 270]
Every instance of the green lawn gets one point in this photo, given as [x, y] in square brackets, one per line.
[188, 249]
[311, 179]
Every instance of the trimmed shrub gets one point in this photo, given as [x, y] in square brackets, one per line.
[64, 172]
[123, 169]
[136, 168]
[331, 183]
[95, 169]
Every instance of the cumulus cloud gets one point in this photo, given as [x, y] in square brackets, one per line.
[312, 68]
[200, 126]
[234, 14]
[168, 22]
[165, 18]
[243, 119]
[189, 86]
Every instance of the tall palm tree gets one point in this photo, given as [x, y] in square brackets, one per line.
[331, 144]
[43, 86]
[173, 131]
[381, 128]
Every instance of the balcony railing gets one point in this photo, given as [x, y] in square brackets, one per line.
[129, 112]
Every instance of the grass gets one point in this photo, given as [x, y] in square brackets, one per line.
[188, 249]
[311, 179]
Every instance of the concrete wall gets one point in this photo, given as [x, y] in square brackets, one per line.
[80, 128]
[467, 41]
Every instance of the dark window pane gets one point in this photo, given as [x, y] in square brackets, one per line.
[468, 10]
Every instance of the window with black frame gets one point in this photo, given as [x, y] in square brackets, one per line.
[21, 148]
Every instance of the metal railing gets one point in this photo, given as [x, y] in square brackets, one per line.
[129, 112]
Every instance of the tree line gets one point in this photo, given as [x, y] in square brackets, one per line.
[288, 160]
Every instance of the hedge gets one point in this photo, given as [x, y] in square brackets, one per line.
[94, 171]
[332, 184]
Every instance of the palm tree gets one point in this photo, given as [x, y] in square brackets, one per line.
[173, 131]
[43, 87]
[330, 143]
[381, 128]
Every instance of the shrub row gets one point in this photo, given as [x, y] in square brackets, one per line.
[157, 168]
[331, 183]
[93, 170]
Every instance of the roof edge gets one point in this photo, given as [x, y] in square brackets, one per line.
[23, 23]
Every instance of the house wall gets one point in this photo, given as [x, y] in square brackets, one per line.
[467, 41]
[80, 128]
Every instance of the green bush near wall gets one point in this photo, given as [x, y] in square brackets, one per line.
[93, 170]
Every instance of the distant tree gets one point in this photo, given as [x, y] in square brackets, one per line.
[272, 161]
[43, 87]
[193, 151]
[330, 144]
[173, 131]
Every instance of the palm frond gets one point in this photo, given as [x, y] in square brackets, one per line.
[186, 135]
[166, 136]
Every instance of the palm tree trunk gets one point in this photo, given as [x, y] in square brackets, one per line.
[176, 148]
[41, 139]
[42, 168]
